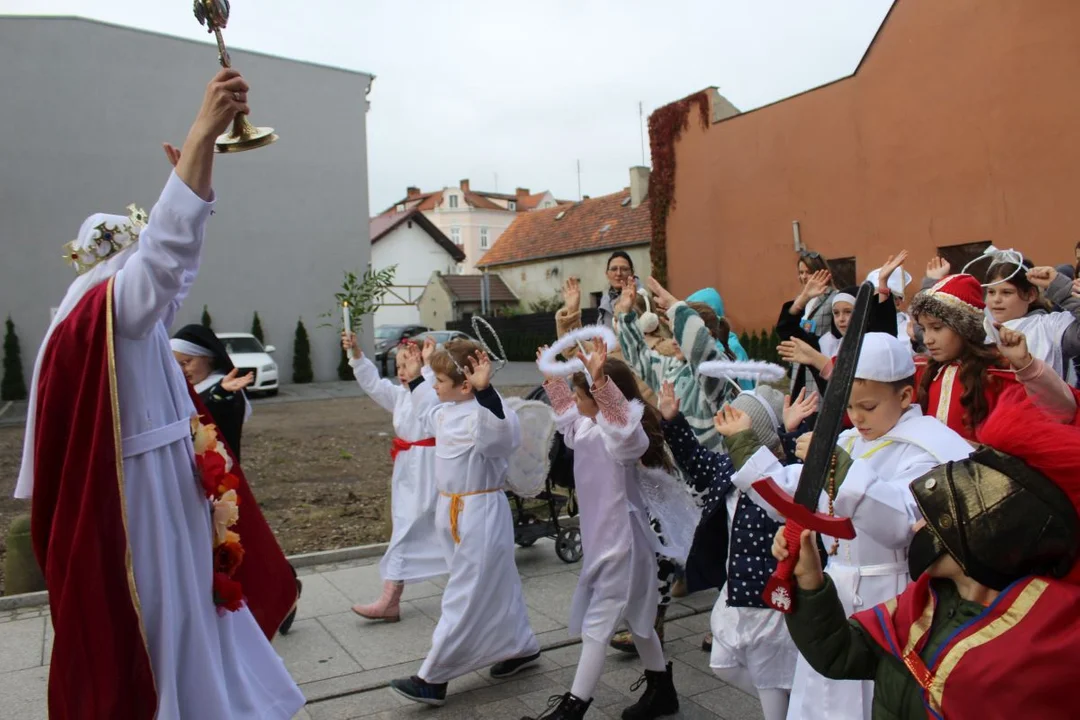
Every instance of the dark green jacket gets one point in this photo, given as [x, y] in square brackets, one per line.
[838, 648]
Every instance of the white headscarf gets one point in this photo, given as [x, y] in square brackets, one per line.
[83, 284]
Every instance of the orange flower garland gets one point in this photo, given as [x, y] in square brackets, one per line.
[214, 464]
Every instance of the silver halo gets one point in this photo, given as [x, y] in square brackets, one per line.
[998, 256]
[497, 361]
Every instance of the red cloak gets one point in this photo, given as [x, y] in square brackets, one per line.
[1017, 659]
[100, 661]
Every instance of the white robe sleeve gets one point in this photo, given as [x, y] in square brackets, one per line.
[881, 508]
[764, 464]
[425, 401]
[497, 437]
[568, 424]
[166, 255]
[382, 391]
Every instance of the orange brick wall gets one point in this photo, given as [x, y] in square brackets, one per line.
[962, 124]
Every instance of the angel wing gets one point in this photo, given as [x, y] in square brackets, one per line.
[529, 465]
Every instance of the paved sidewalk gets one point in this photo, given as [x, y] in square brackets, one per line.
[343, 663]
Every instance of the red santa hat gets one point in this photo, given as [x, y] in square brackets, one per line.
[958, 302]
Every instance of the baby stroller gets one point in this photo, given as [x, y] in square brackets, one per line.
[540, 466]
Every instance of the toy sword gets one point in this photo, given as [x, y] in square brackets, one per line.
[801, 511]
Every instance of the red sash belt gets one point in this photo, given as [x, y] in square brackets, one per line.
[399, 445]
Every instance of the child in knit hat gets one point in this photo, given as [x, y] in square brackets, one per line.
[964, 377]
[751, 648]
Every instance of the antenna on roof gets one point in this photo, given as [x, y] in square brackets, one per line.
[579, 180]
[641, 124]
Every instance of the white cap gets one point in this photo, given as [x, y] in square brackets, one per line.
[884, 358]
[899, 280]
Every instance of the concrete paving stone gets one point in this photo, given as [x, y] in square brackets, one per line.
[537, 700]
[302, 715]
[555, 638]
[321, 597]
[22, 641]
[23, 693]
[564, 657]
[452, 710]
[356, 706]
[690, 710]
[374, 644]
[622, 676]
[356, 583]
[429, 606]
[550, 594]
[518, 685]
[691, 681]
[690, 643]
[542, 623]
[46, 653]
[730, 704]
[416, 591]
[311, 653]
[603, 696]
[700, 601]
[503, 709]
[695, 658]
[358, 682]
[673, 630]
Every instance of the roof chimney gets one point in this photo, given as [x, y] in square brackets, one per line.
[639, 185]
[465, 185]
[412, 192]
[522, 193]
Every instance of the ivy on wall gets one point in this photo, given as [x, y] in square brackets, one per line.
[666, 125]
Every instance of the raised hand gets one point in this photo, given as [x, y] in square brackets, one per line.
[625, 302]
[661, 297]
[805, 405]
[411, 362]
[478, 371]
[808, 572]
[594, 362]
[1013, 346]
[817, 285]
[798, 351]
[571, 294]
[802, 445]
[428, 350]
[232, 384]
[731, 421]
[889, 268]
[1041, 277]
[938, 268]
[669, 404]
[349, 344]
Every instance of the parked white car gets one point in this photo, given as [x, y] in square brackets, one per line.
[249, 355]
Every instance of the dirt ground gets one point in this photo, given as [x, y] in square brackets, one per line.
[320, 470]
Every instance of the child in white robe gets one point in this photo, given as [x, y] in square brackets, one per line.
[414, 553]
[892, 444]
[618, 446]
[484, 619]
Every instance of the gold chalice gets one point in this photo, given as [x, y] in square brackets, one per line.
[243, 135]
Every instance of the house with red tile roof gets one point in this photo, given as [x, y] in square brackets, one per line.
[472, 219]
[542, 248]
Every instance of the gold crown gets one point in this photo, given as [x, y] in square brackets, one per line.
[106, 241]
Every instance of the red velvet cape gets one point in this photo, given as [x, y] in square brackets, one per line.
[100, 662]
[1017, 659]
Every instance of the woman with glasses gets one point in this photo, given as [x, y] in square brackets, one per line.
[620, 271]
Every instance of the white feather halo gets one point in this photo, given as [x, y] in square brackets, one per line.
[744, 370]
[551, 366]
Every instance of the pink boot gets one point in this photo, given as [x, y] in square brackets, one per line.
[387, 607]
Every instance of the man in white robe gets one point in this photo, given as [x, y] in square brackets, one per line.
[121, 523]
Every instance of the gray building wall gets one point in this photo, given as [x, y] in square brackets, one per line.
[85, 108]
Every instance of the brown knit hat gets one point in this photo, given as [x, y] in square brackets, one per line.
[958, 302]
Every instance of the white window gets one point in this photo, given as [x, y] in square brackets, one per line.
[483, 238]
[512, 205]
[453, 201]
[455, 235]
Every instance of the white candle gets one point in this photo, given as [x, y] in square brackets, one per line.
[345, 317]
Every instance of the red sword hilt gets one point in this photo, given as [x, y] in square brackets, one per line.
[780, 590]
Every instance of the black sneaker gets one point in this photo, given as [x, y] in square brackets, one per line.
[506, 668]
[419, 690]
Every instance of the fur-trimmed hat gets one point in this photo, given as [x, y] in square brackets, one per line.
[958, 302]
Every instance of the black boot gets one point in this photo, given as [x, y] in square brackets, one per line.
[564, 707]
[658, 700]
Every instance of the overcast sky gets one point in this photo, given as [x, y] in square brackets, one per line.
[479, 88]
